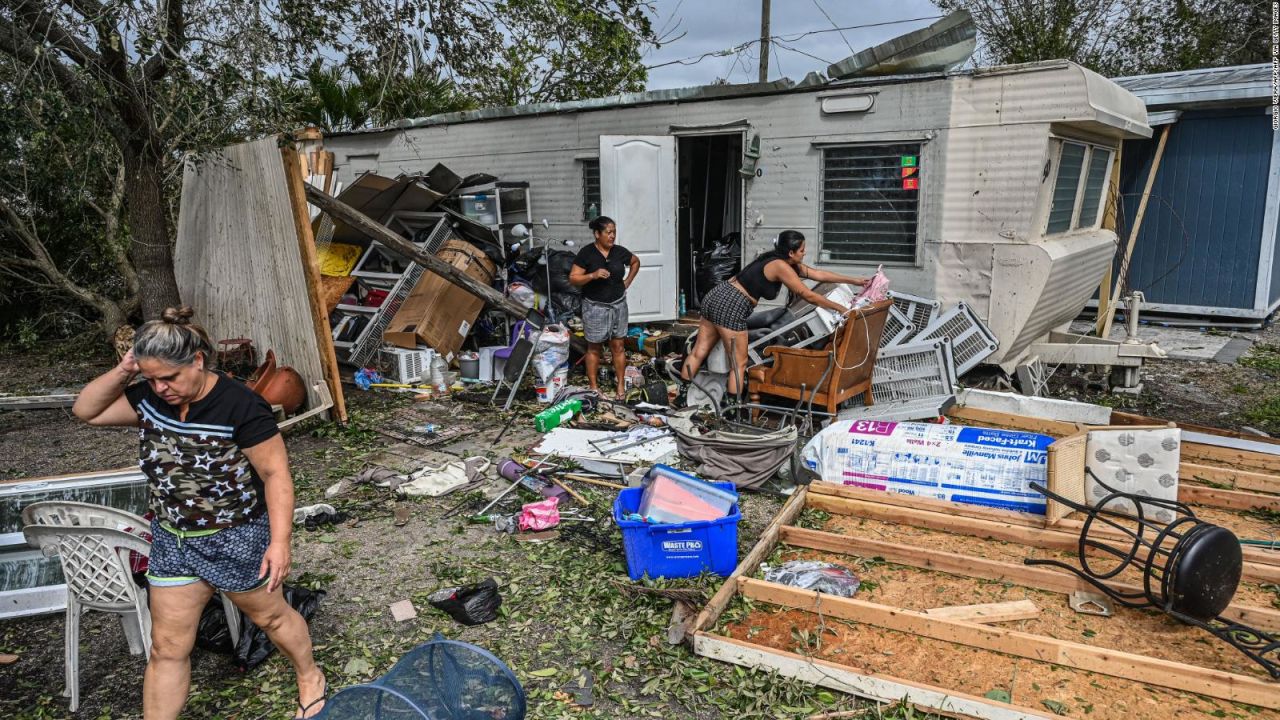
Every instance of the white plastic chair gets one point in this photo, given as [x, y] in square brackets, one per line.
[93, 543]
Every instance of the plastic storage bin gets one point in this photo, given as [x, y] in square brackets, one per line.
[671, 496]
[679, 549]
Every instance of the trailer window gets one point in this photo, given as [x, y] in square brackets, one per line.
[869, 202]
[590, 189]
[1078, 187]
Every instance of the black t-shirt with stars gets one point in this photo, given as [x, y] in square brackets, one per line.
[200, 478]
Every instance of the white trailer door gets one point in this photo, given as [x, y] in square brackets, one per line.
[638, 190]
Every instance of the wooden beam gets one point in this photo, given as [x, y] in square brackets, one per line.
[311, 271]
[37, 402]
[1039, 578]
[1226, 499]
[1116, 663]
[987, 613]
[1257, 565]
[768, 539]
[339, 210]
[842, 678]
[1045, 426]
[917, 502]
[1104, 322]
[1235, 479]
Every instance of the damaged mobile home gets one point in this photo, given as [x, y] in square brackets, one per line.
[988, 186]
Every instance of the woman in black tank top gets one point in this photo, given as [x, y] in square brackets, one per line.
[726, 307]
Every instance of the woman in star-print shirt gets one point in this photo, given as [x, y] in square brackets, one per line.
[222, 497]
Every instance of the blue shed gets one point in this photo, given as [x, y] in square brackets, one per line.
[1207, 244]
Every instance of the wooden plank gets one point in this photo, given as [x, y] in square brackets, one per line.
[987, 613]
[1116, 663]
[1257, 565]
[768, 539]
[1226, 499]
[946, 507]
[1104, 322]
[1257, 469]
[339, 210]
[37, 402]
[1038, 578]
[843, 678]
[311, 273]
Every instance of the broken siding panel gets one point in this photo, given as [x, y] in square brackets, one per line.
[236, 256]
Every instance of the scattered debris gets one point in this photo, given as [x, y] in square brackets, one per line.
[988, 612]
[403, 610]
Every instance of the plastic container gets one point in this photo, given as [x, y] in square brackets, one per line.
[671, 496]
[679, 549]
[557, 414]
[469, 366]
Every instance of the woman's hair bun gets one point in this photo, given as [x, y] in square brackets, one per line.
[178, 316]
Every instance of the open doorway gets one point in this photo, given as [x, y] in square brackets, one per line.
[709, 226]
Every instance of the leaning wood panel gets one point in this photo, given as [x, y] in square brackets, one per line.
[1039, 578]
[1257, 566]
[236, 256]
[1130, 666]
[768, 539]
[843, 678]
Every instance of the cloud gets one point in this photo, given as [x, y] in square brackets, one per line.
[716, 25]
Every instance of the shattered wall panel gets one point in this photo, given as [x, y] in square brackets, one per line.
[236, 256]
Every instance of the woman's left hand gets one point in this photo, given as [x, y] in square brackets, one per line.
[860, 281]
[275, 563]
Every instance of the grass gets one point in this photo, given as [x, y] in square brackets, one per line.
[1263, 357]
[1264, 415]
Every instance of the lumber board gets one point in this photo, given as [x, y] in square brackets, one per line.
[1116, 663]
[1039, 578]
[1257, 469]
[844, 678]
[768, 539]
[987, 613]
[37, 402]
[293, 161]
[1257, 565]
[1122, 274]
[1226, 499]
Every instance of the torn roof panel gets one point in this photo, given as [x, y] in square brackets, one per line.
[938, 47]
[1203, 86]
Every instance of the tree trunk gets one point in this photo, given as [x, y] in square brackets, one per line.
[151, 242]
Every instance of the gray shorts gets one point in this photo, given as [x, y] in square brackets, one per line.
[602, 322]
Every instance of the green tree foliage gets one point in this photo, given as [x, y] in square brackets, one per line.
[1122, 37]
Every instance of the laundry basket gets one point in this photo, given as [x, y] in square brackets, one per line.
[438, 680]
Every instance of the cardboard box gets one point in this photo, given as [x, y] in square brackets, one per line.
[438, 313]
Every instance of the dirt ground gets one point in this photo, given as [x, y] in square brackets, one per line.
[563, 615]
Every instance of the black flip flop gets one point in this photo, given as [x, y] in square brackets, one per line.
[303, 709]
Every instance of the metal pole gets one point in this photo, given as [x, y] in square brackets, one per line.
[764, 40]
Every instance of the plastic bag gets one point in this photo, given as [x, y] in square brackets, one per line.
[473, 604]
[254, 646]
[818, 576]
[875, 290]
[522, 294]
[212, 632]
[552, 351]
[541, 515]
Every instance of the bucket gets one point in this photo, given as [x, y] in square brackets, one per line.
[549, 388]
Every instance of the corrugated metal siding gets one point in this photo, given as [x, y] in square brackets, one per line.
[1200, 236]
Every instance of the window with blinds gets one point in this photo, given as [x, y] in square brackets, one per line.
[1078, 187]
[590, 189]
[869, 203]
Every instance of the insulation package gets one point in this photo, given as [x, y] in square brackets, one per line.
[978, 466]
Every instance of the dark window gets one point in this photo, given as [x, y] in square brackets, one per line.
[1065, 187]
[590, 189]
[869, 203]
[1099, 161]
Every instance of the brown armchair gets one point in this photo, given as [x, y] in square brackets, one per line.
[831, 375]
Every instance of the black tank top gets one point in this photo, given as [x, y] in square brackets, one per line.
[753, 280]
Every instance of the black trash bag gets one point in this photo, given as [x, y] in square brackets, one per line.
[212, 632]
[718, 263]
[473, 604]
[254, 646]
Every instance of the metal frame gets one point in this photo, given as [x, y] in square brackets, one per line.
[917, 371]
[898, 328]
[920, 310]
[969, 345]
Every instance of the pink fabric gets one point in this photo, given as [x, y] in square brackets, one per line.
[540, 515]
[874, 291]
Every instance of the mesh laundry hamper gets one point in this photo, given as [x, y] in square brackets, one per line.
[438, 680]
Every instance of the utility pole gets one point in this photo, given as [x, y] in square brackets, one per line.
[764, 41]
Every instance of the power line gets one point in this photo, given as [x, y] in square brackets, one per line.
[833, 24]
[695, 59]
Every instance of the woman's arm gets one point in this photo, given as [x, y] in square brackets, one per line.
[631, 274]
[578, 275]
[812, 273]
[271, 461]
[102, 401]
[781, 271]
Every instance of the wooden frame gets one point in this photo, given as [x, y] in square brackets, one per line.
[981, 522]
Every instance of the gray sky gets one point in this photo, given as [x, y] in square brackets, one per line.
[715, 25]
